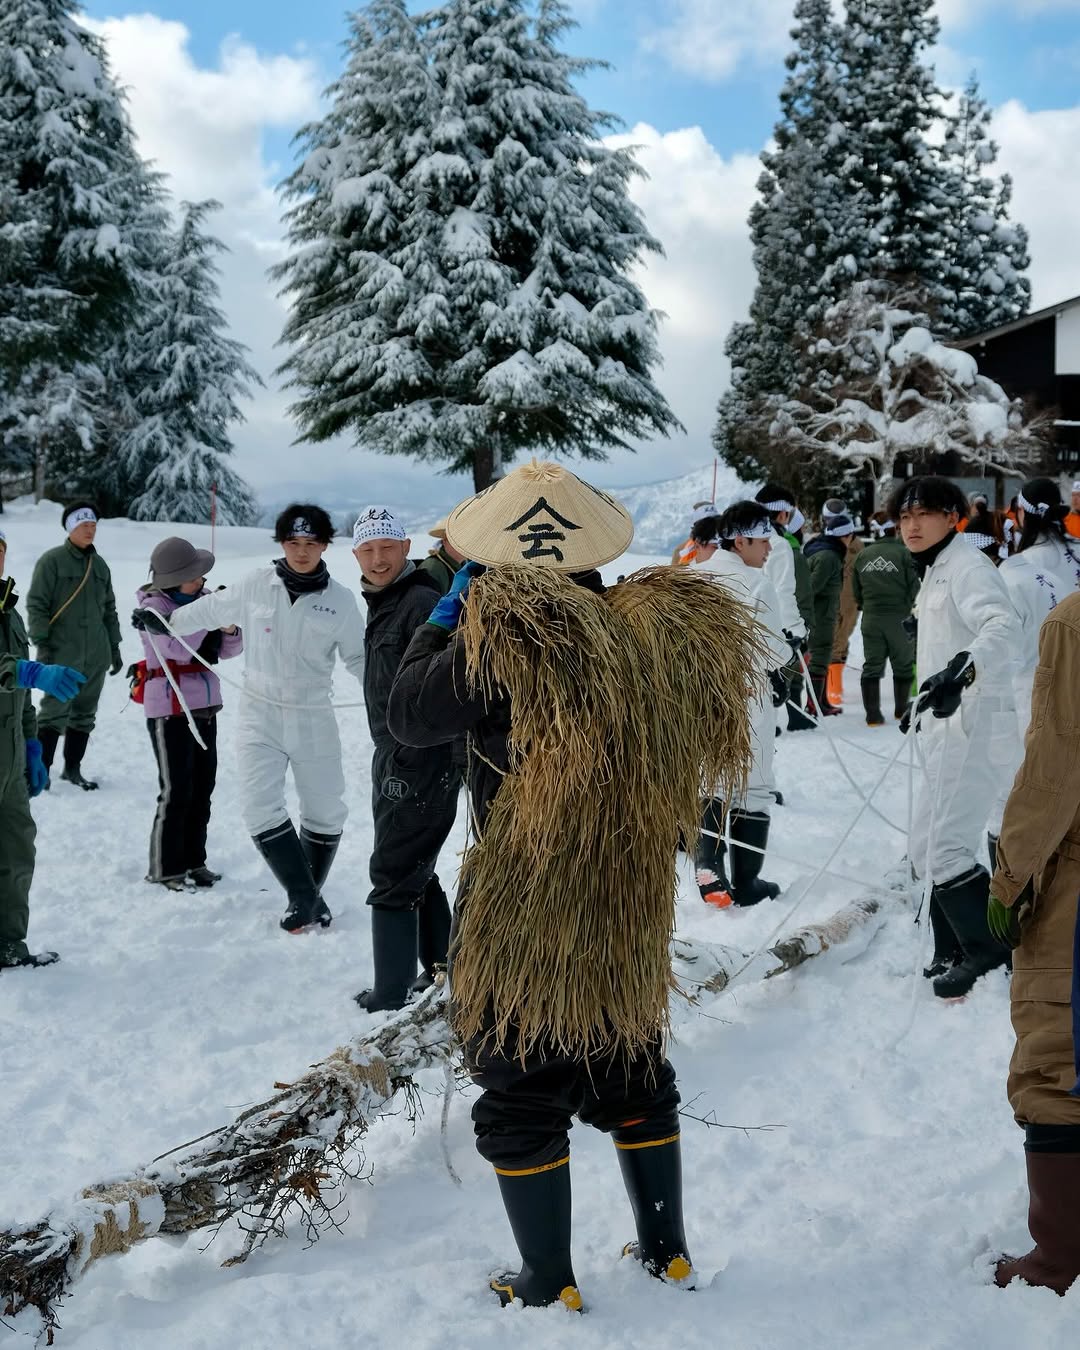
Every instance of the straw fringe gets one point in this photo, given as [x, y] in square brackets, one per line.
[626, 710]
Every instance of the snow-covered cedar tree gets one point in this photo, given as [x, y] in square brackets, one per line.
[185, 378]
[898, 391]
[463, 244]
[987, 254]
[67, 199]
[799, 228]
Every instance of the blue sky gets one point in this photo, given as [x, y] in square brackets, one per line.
[216, 102]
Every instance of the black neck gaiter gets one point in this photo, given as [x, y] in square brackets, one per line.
[923, 560]
[302, 583]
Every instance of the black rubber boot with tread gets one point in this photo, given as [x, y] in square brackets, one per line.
[871, 701]
[283, 854]
[75, 743]
[433, 935]
[537, 1203]
[901, 697]
[947, 951]
[747, 886]
[963, 902]
[709, 872]
[652, 1175]
[319, 849]
[394, 949]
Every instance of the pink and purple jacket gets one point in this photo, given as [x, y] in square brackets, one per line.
[200, 687]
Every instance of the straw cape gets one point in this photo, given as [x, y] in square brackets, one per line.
[626, 709]
[543, 515]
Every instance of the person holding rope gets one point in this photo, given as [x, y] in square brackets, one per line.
[593, 717]
[186, 771]
[885, 585]
[22, 772]
[789, 574]
[72, 619]
[746, 538]
[968, 634]
[296, 621]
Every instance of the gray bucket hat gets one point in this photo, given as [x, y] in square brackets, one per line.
[175, 561]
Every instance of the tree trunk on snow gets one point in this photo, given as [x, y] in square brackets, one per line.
[487, 462]
[816, 938]
[41, 460]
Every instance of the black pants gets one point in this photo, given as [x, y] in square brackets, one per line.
[523, 1118]
[186, 776]
[414, 802]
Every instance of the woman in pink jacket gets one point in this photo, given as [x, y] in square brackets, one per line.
[186, 772]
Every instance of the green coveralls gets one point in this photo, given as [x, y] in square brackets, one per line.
[440, 567]
[85, 636]
[827, 575]
[885, 585]
[17, 725]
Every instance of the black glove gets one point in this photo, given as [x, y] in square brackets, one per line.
[779, 688]
[795, 643]
[210, 647]
[150, 621]
[117, 663]
[910, 625]
[941, 692]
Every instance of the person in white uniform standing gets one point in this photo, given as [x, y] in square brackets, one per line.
[1042, 572]
[968, 634]
[745, 534]
[296, 621]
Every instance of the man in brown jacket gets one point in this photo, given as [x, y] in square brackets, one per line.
[1035, 904]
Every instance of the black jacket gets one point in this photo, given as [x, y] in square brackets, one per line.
[394, 614]
[429, 705]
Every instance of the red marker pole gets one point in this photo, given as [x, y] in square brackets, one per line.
[213, 514]
[715, 462]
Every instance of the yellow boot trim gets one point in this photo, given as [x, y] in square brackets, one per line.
[533, 1171]
[679, 1268]
[569, 1297]
[649, 1143]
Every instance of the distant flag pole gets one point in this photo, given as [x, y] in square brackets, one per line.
[213, 514]
[715, 462]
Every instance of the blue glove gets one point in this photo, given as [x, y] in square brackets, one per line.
[37, 775]
[60, 681]
[447, 612]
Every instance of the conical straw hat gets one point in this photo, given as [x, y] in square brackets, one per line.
[541, 514]
[438, 530]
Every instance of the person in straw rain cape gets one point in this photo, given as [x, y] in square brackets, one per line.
[594, 717]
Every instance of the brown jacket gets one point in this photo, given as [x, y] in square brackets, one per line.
[1040, 844]
[849, 610]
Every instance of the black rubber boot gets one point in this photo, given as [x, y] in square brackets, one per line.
[901, 697]
[963, 902]
[652, 1175]
[537, 1204]
[747, 887]
[15, 958]
[820, 700]
[709, 870]
[797, 720]
[947, 951]
[433, 935]
[284, 856]
[393, 946]
[319, 850]
[49, 738]
[75, 743]
[991, 848]
[871, 701]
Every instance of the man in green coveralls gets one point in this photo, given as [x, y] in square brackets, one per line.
[825, 554]
[72, 618]
[22, 773]
[885, 585]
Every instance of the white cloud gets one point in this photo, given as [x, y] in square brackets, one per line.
[712, 38]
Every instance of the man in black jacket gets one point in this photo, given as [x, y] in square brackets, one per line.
[414, 792]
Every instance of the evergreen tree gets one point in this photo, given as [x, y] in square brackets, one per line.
[185, 378]
[66, 195]
[987, 254]
[480, 249]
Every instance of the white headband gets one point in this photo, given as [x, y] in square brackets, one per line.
[797, 521]
[377, 522]
[3, 536]
[1076, 486]
[760, 529]
[704, 512]
[841, 528]
[980, 540]
[880, 526]
[301, 529]
[1025, 505]
[85, 515]
[779, 505]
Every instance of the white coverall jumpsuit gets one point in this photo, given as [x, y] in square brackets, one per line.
[1037, 581]
[289, 651]
[752, 586]
[780, 572]
[963, 606]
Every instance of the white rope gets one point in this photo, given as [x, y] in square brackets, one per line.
[176, 690]
[444, 1143]
[243, 687]
[861, 882]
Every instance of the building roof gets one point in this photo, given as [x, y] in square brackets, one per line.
[1039, 315]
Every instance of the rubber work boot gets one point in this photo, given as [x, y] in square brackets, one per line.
[963, 902]
[709, 871]
[947, 951]
[747, 887]
[433, 936]
[537, 1203]
[15, 956]
[284, 856]
[1052, 1154]
[827, 709]
[319, 850]
[393, 947]
[75, 743]
[901, 697]
[797, 720]
[991, 848]
[834, 688]
[652, 1175]
[49, 738]
[871, 701]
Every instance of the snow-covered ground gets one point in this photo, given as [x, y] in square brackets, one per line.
[867, 1216]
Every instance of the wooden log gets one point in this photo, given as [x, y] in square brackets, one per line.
[817, 938]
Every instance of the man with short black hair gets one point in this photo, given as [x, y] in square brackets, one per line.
[413, 792]
[826, 555]
[72, 619]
